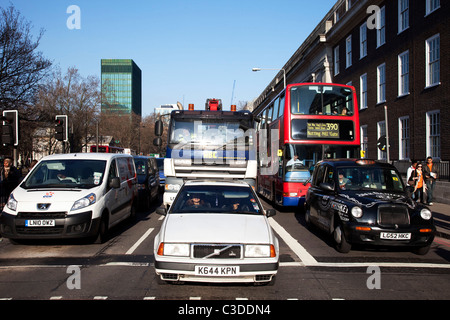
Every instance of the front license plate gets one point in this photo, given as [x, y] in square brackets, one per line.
[395, 236]
[216, 271]
[40, 223]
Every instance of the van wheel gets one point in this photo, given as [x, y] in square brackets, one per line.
[341, 243]
[102, 231]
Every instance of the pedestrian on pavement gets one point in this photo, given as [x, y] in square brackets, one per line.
[10, 177]
[420, 186]
[431, 173]
[409, 173]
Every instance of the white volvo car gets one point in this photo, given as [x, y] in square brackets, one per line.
[216, 232]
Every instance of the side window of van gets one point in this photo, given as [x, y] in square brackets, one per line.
[112, 170]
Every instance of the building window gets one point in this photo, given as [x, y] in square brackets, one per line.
[432, 5]
[364, 142]
[348, 51]
[381, 131]
[363, 40]
[381, 83]
[403, 73]
[434, 134]
[363, 91]
[403, 15]
[336, 60]
[433, 60]
[381, 31]
[404, 143]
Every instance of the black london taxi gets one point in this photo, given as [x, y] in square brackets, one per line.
[361, 201]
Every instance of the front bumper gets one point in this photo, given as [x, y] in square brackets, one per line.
[185, 271]
[66, 226]
[421, 236]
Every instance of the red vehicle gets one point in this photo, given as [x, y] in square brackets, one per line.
[313, 121]
[107, 149]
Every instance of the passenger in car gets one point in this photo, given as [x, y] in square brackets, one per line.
[196, 202]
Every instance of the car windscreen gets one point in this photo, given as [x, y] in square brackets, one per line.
[83, 174]
[368, 178]
[216, 199]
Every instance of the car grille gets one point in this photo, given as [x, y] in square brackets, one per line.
[392, 215]
[217, 251]
[41, 215]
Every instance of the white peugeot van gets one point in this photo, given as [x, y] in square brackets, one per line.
[71, 196]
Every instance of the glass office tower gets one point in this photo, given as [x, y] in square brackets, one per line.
[121, 87]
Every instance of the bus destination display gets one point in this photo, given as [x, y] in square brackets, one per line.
[322, 130]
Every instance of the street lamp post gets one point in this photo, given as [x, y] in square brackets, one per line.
[284, 73]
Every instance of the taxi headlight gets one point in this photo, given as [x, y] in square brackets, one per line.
[176, 249]
[425, 214]
[357, 212]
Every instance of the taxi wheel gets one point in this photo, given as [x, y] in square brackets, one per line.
[422, 250]
[341, 243]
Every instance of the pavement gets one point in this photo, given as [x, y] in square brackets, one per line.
[441, 216]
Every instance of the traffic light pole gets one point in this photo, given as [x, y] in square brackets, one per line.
[387, 133]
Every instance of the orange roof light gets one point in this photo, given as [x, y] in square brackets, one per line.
[233, 107]
[365, 162]
[191, 106]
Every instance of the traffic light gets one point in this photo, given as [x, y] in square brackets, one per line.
[10, 128]
[61, 128]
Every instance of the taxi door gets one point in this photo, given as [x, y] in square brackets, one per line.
[322, 195]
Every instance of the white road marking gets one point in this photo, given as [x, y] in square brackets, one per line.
[298, 249]
[131, 250]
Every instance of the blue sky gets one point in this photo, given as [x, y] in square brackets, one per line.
[188, 51]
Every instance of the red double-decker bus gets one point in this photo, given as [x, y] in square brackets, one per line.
[313, 121]
[107, 149]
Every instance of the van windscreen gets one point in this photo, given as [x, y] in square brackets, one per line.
[83, 174]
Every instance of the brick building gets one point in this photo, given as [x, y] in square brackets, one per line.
[400, 64]
[394, 53]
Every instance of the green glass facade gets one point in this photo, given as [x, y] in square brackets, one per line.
[121, 87]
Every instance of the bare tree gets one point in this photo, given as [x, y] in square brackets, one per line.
[22, 67]
[74, 96]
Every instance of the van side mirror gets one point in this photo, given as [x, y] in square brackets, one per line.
[114, 182]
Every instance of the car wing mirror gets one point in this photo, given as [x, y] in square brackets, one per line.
[270, 212]
[161, 210]
[326, 186]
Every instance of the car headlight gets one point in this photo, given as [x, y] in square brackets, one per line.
[174, 249]
[12, 203]
[259, 251]
[425, 214]
[84, 202]
[357, 212]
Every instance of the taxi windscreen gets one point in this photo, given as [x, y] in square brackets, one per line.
[369, 178]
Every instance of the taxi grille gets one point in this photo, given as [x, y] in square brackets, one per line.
[391, 215]
[215, 251]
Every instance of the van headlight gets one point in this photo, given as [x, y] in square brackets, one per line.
[84, 202]
[12, 203]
